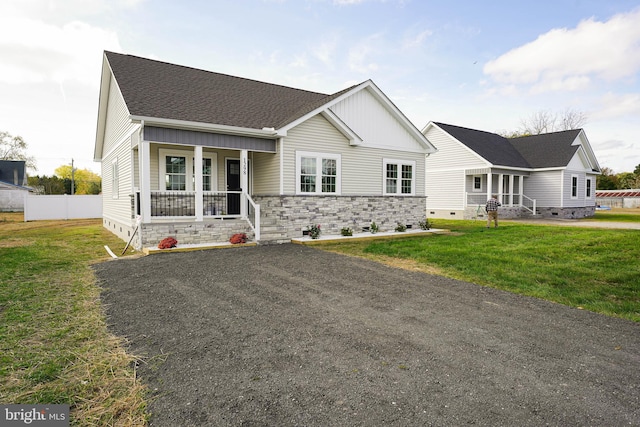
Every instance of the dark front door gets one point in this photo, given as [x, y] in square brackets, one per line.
[233, 184]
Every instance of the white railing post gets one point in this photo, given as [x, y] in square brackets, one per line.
[256, 209]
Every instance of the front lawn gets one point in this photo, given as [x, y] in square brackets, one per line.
[618, 215]
[54, 344]
[593, 269]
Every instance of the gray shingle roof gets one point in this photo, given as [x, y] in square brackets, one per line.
[161, 90]
[535, 151]
[494, 148]
[548, 149]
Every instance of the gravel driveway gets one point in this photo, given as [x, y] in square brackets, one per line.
[289, 335]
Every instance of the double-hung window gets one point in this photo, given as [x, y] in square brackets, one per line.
[399, 177]
[477, 183]
[317, 173]
[574, 186]
[588, 188]
[177, 171]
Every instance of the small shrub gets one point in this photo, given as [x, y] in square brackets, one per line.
[314, 230]
[346, 231]
[373, 228]
[167, 243]
[401, 228]
[425, 224]
[238, 238]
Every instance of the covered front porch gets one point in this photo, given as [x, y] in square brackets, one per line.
[508, 186]
[194, 183]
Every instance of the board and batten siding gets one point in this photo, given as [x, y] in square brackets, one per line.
[377, 127]
[361, 166]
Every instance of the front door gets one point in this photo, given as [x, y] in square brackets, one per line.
[233, 184]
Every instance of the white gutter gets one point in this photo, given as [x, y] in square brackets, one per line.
[266, 133]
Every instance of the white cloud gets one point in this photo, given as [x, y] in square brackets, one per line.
[568, 59]
[416, 40]
[360, 55]
[34, 51]
[613, 105]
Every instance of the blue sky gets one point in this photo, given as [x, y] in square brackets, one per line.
[480, 64]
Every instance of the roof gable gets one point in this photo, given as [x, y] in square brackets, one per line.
[494, 148]
[161, 90]
[548, 150]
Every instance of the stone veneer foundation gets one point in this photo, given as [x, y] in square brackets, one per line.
[294, 213]
[207, 231]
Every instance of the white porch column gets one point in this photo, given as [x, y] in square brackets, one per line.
[500, 186]
[244, 181]
[489, 185]
[197, 165]
[521, 190]
[511, 190]
[144, 164]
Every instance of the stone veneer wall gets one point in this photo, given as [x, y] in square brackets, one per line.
[506, 212]
[295, 213]
[567, 213]
[208, 231]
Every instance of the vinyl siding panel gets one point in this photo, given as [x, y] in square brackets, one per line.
[545, 188]
[579, 201]
[377, 127]
[266, 173]
[361, 166]
[445, 189]
[451, 154]
[118, 124]
[117, 208]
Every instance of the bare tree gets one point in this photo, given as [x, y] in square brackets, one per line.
[545, 121]
[15, 148]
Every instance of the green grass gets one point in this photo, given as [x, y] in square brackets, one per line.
[594, 269]
[54, 344]
[617, 216]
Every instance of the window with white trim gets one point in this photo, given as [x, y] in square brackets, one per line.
[115, 179]
[574, 186]
[477, 183]
[588, 184]
[399, 177]
[177, 171]
[318, 173]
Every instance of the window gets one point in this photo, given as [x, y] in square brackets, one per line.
[588, 187]
[317, 173]
[574, 186]
[115, 179]
[399, 177]
[477, 183]
[177, 171]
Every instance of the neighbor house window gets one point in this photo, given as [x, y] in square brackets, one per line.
[317, 173]
[477, 183]
[574, 186]
[588, 188]
[399, 177]
[115, 179]
[177, 171]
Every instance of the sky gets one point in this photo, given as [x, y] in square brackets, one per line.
[485, 65]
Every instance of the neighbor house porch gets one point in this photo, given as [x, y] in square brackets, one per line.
[508, 186]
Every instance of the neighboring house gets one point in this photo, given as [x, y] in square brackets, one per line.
[552, 175]
[13, 185]
[199, 156]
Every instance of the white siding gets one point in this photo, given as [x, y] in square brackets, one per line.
[451, 154]
[118, 124]
[266, 178]
[545, 188]
[362, 172]
[445, 189]
[119, 208]
[579, 201]
[377, 127]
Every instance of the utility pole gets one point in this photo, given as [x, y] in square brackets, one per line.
[73, 189]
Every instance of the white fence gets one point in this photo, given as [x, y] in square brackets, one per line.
[62, 207]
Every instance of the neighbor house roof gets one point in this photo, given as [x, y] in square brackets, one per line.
[13, 172]
[161, 90]
[549, 150]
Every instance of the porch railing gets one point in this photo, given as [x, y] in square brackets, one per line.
[517, 200]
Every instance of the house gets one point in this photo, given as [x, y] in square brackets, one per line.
[13, 185]
[199, 156]
[552, 175]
